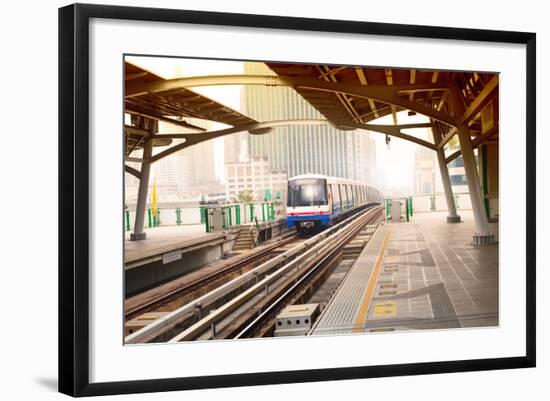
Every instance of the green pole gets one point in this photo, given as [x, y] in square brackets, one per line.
[238, 215]
[149, 217]
[204, 219]
[411, 204]
[263, 213]
[127, 220]
[158, 217]
[230, 217]
[251, 212]
[407, 208]
[178, 216]
[223, 218]
[201, 211]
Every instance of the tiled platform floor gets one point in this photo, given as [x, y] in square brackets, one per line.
[429, 276]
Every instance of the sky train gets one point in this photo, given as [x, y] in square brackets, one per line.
[316, 201]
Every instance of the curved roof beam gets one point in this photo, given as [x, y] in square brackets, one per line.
[264, 127]
[382, 93]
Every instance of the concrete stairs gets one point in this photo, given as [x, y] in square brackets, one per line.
[244, 240]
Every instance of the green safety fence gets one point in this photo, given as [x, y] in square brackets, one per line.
[251, 211]
[127, 220]
[238, 214]
[408, 206]
[178, 216]
[203, 218]
[206, 218]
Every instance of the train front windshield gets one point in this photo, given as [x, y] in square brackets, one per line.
[307, 192]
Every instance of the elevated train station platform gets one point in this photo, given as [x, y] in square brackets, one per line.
[171, 251]
[425, 274]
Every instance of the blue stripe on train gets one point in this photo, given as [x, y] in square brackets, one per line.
[323, 218]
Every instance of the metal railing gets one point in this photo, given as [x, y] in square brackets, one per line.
[232, 215]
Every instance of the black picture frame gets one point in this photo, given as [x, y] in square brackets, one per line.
[74, 198]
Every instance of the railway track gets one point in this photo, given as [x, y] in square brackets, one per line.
[245, 306]
[170, 296]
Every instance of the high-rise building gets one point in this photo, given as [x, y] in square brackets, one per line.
[362, 157]
[302, 149]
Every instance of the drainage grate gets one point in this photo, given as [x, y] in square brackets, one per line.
[381, 329]
[386, 286]
[383, 293]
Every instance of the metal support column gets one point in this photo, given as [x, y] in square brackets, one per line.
[483, 235]
[453, 217]
[138, 233]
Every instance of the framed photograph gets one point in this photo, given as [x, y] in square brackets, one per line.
[252, 199]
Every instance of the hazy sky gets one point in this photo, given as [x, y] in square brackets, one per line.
[395, 164]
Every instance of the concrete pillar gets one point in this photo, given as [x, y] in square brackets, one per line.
[138, 233]
[482, 236]
[453, 217]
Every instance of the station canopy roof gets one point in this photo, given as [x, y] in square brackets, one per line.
[174, 106]
[347, 96]
[341, 108]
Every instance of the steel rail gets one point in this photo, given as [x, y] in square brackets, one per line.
[170, 295]
[321, 247]
[248, 330]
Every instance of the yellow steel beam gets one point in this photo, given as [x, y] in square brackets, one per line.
[192, 139]
[328, 76]
[487, 94]
[361, 75]
[382, 93]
